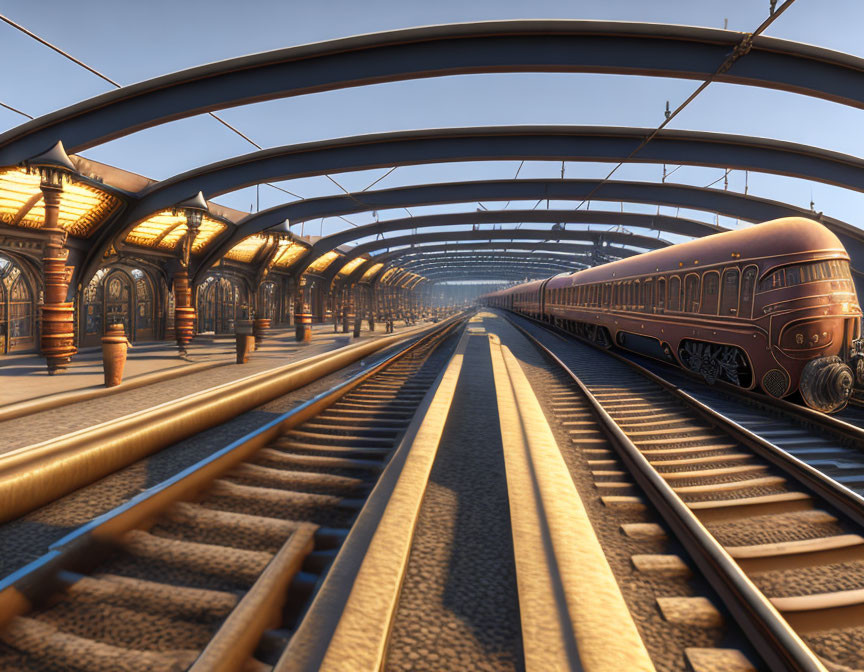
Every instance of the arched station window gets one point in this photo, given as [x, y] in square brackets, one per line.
[119, 295]
[221, 302]
[145, 319]
[118, 300]
[268, 301]
[17, 308]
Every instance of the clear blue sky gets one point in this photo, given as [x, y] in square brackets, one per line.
[132, 41]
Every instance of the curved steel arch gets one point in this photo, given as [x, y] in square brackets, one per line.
[682, 226]
[571, 143]
[577, 252]
[442, 258]
[503, 274]
[444, 252]
[473, 237]
[466, 144]
[554, 267]
[488, 234]
[557, 267]
[410, 258]
[498, 46]
[747, 208]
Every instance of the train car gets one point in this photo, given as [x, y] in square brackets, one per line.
[770, 307]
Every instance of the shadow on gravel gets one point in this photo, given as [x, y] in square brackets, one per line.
[481, 582]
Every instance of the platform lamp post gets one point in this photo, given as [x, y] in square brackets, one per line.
[57, 334]
[184, 312]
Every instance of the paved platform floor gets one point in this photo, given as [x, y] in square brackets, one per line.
[25, 377]
[20, 382]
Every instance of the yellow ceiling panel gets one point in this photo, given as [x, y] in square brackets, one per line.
[350, 266]
[165, 230]
[248, 248]
[82, 208]
[289, 253]
[322, 262]
[370, 272]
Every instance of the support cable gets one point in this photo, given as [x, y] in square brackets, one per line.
[16, 110]
[741, 49]
[104, 77]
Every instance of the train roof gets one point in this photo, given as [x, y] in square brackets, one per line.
[777, 238]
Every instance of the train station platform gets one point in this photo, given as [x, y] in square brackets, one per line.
[35, 406]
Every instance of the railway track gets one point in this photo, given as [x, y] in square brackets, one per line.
[780, 542]
[832, 444]
[212, 569]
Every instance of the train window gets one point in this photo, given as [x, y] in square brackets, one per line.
[774, 280]
[661, 294]
[729, 292]
[607, 294]
[674, 293]
[710, 293]
[648, 296]
[691, 293]
[748, 282]
[816, 271]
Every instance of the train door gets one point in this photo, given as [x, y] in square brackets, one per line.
[729, 289]
[748, 285]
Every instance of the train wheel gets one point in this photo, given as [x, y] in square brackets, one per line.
[826, 384]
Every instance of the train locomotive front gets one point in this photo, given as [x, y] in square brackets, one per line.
[772, 307]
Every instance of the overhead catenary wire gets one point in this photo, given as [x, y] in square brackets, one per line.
[741, 49]
[116, 84]
[16, 110]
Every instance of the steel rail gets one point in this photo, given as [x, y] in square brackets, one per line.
[774, 639]
[848, 433]
[35, 475]
[90, 544]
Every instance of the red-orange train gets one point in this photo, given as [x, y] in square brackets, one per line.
[772, 306]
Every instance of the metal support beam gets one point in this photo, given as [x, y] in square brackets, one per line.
[610, 47]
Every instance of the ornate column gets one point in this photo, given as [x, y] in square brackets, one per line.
[57, 333]
[358, 310]
[371, 307]
[184, 308]
[347, 309]
[302, 314]
[57, 339]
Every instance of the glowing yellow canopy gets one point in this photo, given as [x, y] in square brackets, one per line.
[165, 229]
[82, 207]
